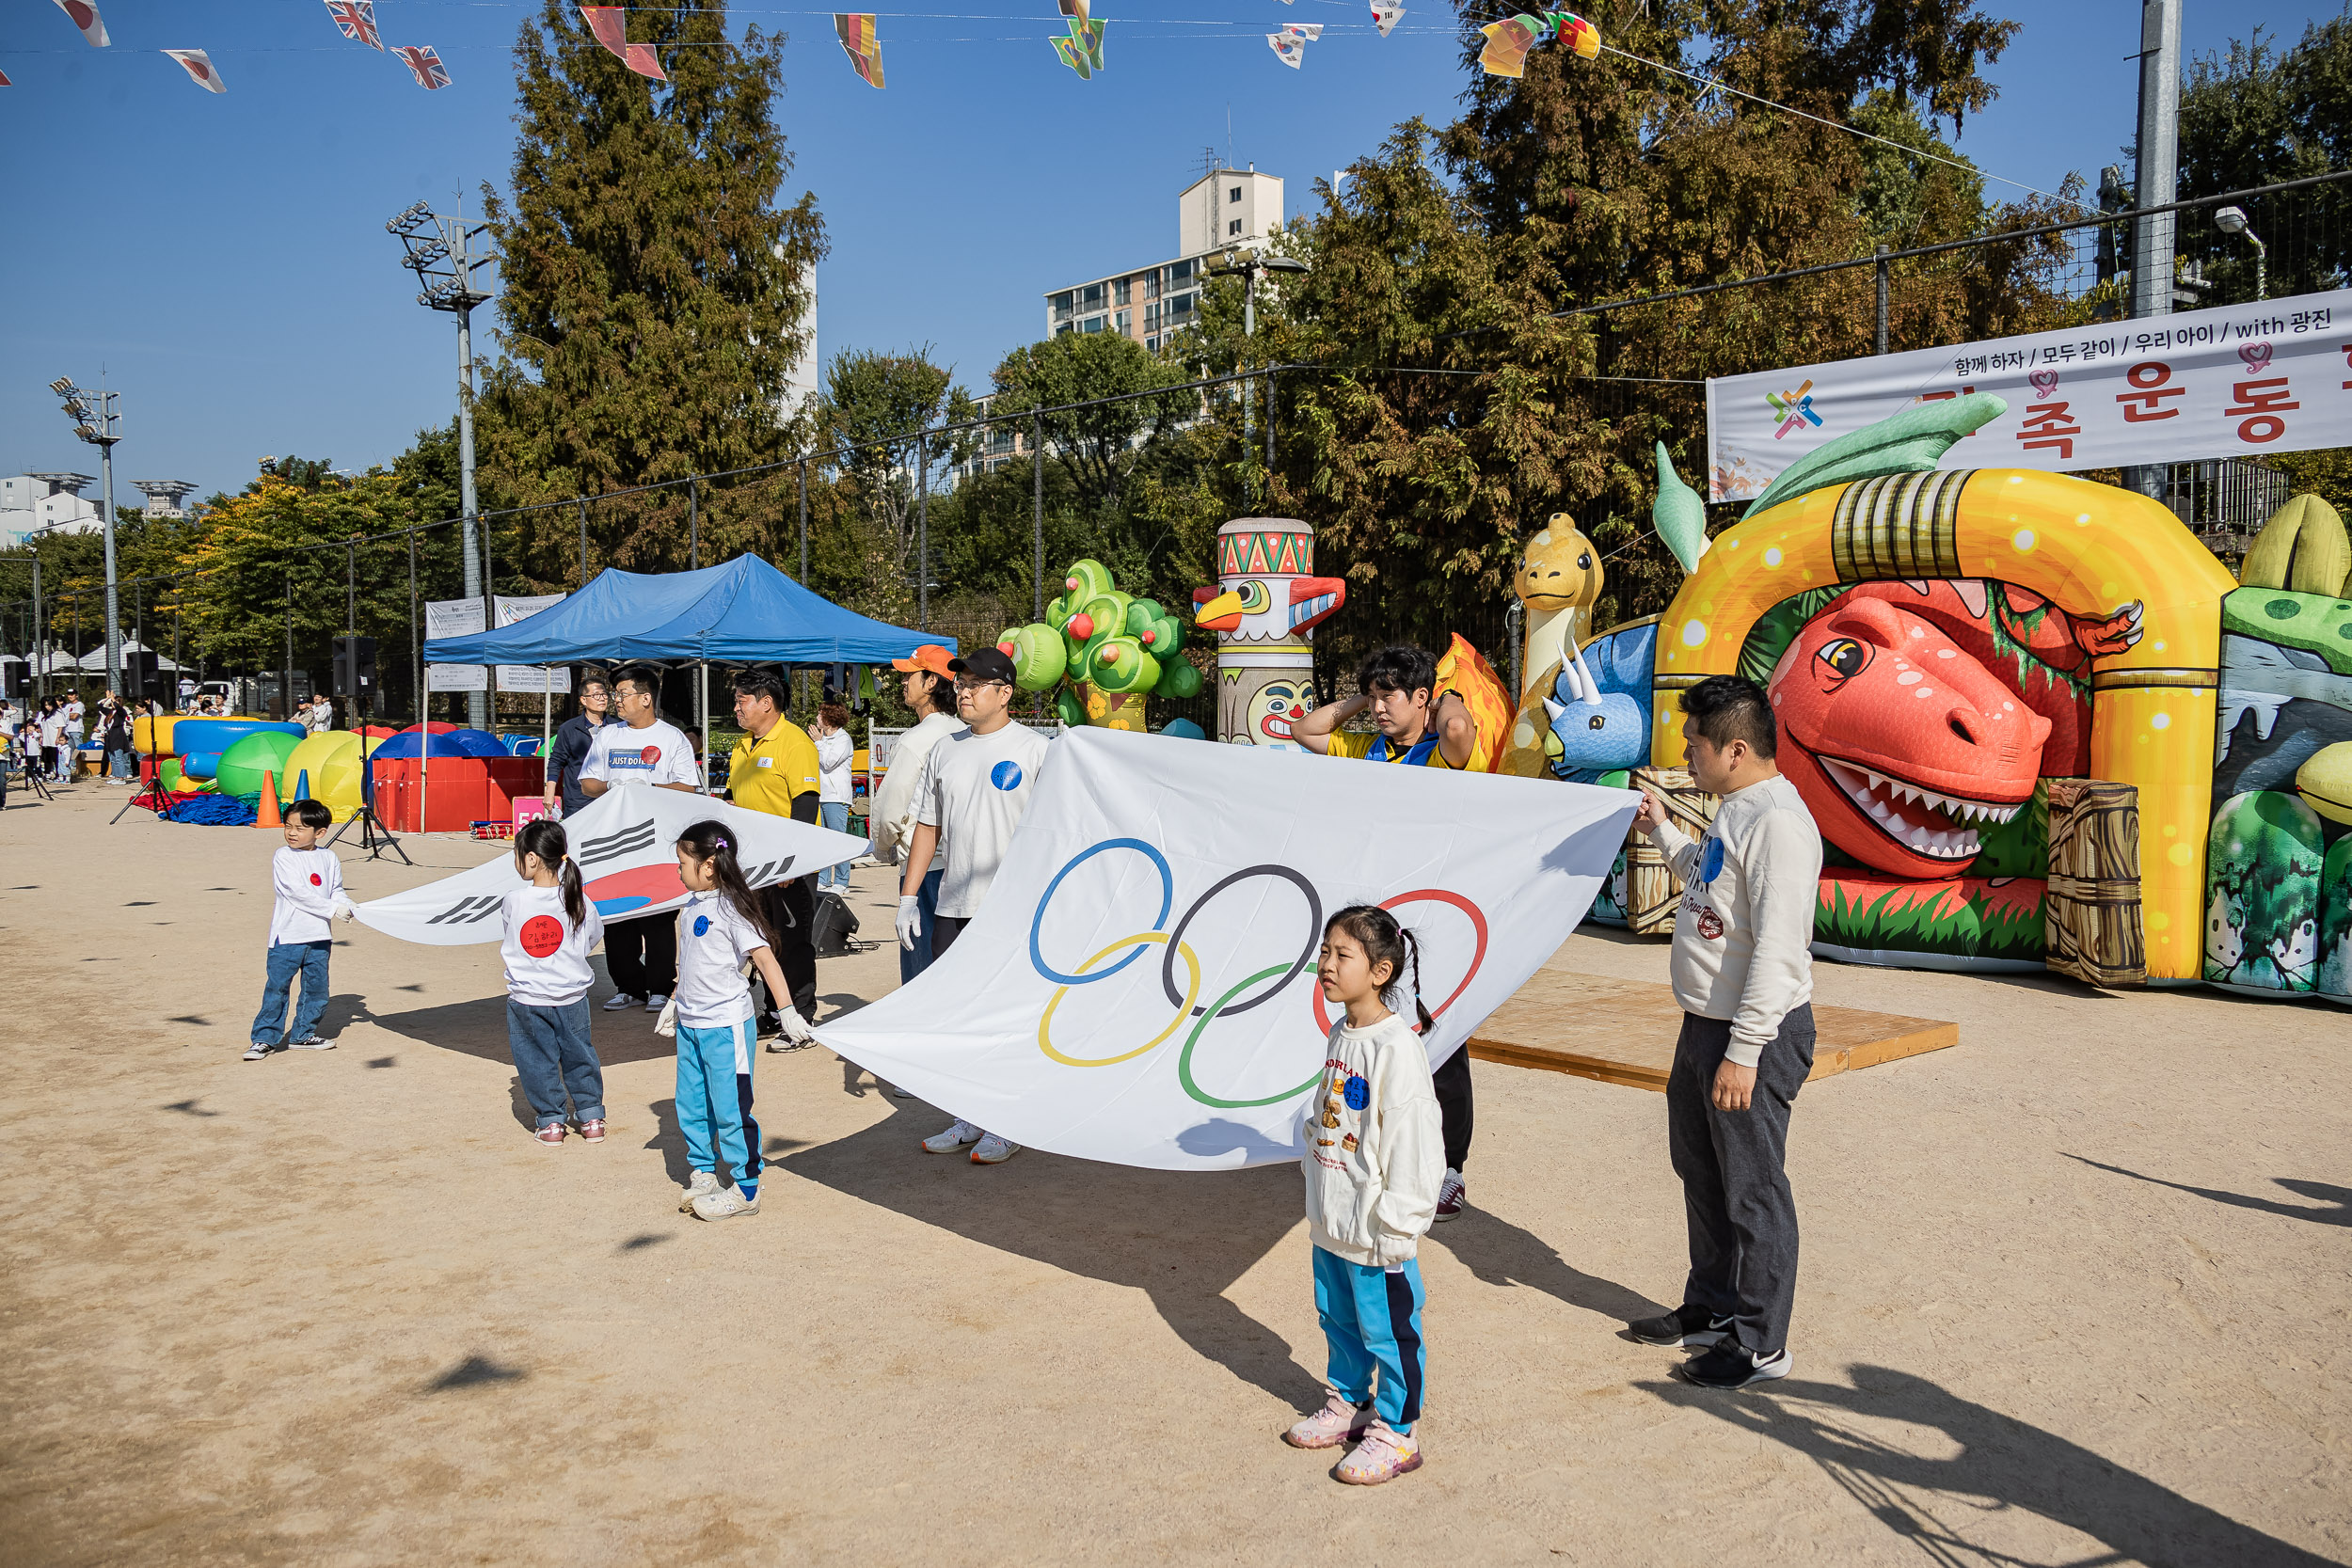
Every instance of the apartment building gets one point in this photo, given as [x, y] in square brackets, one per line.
[1151, 303]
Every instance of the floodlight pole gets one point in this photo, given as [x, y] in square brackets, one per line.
[437, 251]
[96, 421]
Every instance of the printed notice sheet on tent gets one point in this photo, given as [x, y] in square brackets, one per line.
[2234, 381]
[463, 618]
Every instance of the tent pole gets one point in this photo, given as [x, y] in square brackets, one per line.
[801, 676]
[702, 698]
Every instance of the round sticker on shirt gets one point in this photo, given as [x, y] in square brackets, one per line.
[541, 935]
[316, 880]
[1713, 866]
[650, 755]
[701, 925]
[1006, 774]
[1359, 1093]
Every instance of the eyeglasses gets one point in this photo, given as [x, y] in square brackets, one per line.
[975, 686]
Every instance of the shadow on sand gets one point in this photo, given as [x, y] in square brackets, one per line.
[2337, 1200]
[2001, 1463]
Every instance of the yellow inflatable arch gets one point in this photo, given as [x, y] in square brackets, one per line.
[2091, 548]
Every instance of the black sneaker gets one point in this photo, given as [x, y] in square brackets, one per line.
[1728, 1366]
[1691, 1327]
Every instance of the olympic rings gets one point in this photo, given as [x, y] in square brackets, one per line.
[1306, 954]
[1045, 1022]
[1184, 1060]
[1167, 898]
[1428, 895]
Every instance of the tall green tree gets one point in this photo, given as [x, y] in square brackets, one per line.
[655, 293]
[874, 407]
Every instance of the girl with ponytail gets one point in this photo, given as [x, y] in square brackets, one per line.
[549, 928]
[1374, 1156]
[720, 932]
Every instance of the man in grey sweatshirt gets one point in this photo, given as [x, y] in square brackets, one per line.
[1743, 970]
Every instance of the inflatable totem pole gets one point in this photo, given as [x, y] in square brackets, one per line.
[1106, 651]
[1264, 607]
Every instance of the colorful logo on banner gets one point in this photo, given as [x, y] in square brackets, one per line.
[1185, 1000]
[1794, 410]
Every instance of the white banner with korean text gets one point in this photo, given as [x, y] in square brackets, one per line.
[2234, 381]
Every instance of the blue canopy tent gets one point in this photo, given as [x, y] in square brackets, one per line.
[742, 612]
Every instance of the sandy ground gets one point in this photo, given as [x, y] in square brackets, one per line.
[2073, 1292]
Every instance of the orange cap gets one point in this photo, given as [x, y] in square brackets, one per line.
[932, 656]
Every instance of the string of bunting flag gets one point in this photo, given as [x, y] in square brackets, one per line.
[354, 19]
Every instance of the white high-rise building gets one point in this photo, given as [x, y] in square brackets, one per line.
[32, 504]
[1229, 207]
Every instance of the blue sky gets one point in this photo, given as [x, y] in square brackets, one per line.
[222, 260]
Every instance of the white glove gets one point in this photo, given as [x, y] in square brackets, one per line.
[666, 1025]
[794, 1026]
[345, 909]
[910, 922]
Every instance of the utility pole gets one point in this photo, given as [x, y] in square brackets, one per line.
[2158, 155]
[437, 251]
[1251, 267]
[96, 421]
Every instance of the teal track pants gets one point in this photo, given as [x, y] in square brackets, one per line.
[1372, 1321]
[712, 1110]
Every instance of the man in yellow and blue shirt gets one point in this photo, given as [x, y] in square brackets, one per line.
[773, 768]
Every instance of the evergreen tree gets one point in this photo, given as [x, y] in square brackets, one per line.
[654, 296]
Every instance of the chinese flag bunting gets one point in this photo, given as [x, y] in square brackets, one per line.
[199, 66]
[85, 17]
[423, 64]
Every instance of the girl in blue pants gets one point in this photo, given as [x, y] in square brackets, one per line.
[1374, 1154]
[719, 930]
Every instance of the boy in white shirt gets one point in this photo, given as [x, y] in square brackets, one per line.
[1743, 970]
[309, 884]
[976, 787]
[641, 749]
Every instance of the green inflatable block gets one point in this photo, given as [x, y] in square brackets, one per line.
[2263, 865]
[242, 765]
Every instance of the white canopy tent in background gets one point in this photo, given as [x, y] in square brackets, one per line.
[1139, 986]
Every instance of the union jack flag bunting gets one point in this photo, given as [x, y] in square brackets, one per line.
[355, 19]
[423, 64]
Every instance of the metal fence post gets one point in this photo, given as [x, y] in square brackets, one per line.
[584, 539]
[923, 531]
[694, 525]
[1881, 279]
[1037, 505]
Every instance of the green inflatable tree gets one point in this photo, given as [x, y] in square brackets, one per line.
[1096, 638]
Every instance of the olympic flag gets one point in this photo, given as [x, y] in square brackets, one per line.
[1139, 986]
[626, 843]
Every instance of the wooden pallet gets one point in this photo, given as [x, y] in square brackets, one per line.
[1623, 1030]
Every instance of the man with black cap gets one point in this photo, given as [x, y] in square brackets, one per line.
[974, 787]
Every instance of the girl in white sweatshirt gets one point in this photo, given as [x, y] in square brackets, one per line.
[1374, 1155]
[549, 928]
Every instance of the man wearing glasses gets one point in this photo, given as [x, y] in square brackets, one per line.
[974, 787]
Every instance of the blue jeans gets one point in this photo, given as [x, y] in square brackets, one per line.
[118, 764]
[914, 961]
[834, 815]
[552, 1055]
[1372, 1321]
[286, 961]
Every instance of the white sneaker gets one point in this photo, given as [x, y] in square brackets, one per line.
[702, 1184]
[618, 1000]
[993, 1150]
[314, 1043]
[658, 1000]
[897, 1093]
[963, 1134]
[725, 1205]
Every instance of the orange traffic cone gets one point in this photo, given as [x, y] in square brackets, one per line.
[269, 818]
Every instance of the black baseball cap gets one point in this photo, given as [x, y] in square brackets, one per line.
[987, 664]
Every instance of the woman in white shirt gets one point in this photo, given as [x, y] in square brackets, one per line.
[835, 751]
[930, 690]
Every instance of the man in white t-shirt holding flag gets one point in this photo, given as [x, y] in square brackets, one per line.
[641, 749]
[976, 787]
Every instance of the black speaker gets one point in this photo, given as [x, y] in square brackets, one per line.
[139, 676]
[355, 666]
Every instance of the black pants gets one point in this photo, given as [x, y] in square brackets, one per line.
[791, 911]
[643, 955]
[1741, 1216]
[1451, 1083]
[945, 930]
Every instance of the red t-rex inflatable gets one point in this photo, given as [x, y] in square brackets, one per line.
[1908, 711]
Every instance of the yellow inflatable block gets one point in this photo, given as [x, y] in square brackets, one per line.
[159, 742]
[332, 760]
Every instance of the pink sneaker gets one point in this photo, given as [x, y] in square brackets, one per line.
[592, 1131]
[1337, 1423]
[552, 1133]
[1383, 1455]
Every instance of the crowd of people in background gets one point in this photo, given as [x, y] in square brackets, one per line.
[47, 735]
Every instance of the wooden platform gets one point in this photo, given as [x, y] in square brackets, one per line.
[1623, 1032]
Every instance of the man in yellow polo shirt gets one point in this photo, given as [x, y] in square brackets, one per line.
[774, 769]
[1419, 727]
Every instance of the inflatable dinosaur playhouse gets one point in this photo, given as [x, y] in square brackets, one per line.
[1969, 664]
